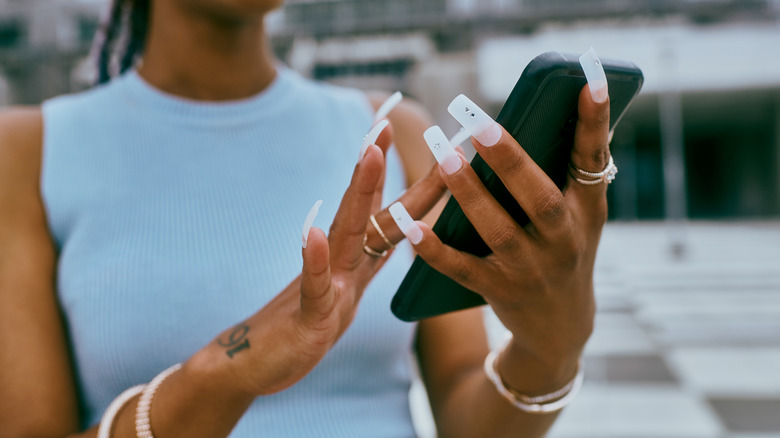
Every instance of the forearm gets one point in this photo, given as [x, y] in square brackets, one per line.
[199, 400]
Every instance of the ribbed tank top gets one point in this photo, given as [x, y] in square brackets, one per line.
[176, 219]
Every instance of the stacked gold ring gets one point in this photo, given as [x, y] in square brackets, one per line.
[371, 251]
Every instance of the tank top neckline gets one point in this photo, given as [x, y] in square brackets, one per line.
[264, 104]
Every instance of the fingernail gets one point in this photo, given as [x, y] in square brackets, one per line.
[408, 226]
[448, 159]
[371, 137]
[594, 73]
[480, 125]
[460, 137]
[388, 106]
[310, 221]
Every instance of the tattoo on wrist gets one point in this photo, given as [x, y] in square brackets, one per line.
[236, 340]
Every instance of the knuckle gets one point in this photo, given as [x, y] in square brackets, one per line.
[461, 273]
[514, 164]
[504, 239]
[594, 160]
[552, 208]
[468, 197]
[599, 158]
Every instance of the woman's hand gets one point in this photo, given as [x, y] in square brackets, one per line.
[286, 339]
[539, 278]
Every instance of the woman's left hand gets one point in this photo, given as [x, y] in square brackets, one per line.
[539, 278]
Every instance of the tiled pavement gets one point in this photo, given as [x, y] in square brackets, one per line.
[687, 339]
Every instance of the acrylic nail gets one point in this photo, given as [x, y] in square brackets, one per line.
[594, 73]
[476, 121]
[388, 105]
[408, 226]
[445, 155]
[371, 137]
[309, 222]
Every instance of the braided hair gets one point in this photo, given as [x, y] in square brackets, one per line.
[120, 40]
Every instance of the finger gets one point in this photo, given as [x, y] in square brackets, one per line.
[388, 105]
[536, 193]
[591, 139]
[496, 227]
[419, 199]
[317, 294]
[372, 137]
[386, 136]
[349, 224]
[464, 268]
[384, 141]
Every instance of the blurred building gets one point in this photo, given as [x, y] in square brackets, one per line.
[42, 45]
[703, 140]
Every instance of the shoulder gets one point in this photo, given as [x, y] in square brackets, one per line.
[21, 138]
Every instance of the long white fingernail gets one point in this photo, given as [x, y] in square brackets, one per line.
[371, 137]
[460, 137]
[388, 106]
[408, 226]
[310, 221]
[480, 125]
[594, 72]
[448, 159]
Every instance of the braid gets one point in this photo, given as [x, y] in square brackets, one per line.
[139, 22]
[126, 26]
[105, 39]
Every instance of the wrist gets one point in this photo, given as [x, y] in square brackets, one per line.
[531, 374]
[212, 374]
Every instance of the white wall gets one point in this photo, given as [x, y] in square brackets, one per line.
[681, 56]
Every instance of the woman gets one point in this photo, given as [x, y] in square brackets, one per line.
[145, 222]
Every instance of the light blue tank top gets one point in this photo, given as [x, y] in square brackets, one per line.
[177, 219]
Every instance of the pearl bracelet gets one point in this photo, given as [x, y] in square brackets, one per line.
[107, 422]
[143, 426]
[543, 404]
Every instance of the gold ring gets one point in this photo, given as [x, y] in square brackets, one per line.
[380, 232]
[371, 251]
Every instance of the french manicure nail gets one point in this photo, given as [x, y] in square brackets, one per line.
[310, 221]
[594, 73]
[480, 125]
[388, 106]
[445, 155]
[371, 137]
[408, 226]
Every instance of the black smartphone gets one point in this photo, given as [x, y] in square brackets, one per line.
[541, 114]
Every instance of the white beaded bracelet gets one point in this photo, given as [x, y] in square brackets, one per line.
[143, 426]
[543, 404]
[107, 422]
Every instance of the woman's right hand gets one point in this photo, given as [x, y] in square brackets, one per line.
[285, 340]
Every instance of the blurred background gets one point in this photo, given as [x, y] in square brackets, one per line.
[687, 342]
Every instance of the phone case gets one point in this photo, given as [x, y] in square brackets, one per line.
[541, 114]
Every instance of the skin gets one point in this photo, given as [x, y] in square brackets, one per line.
[538, 281]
